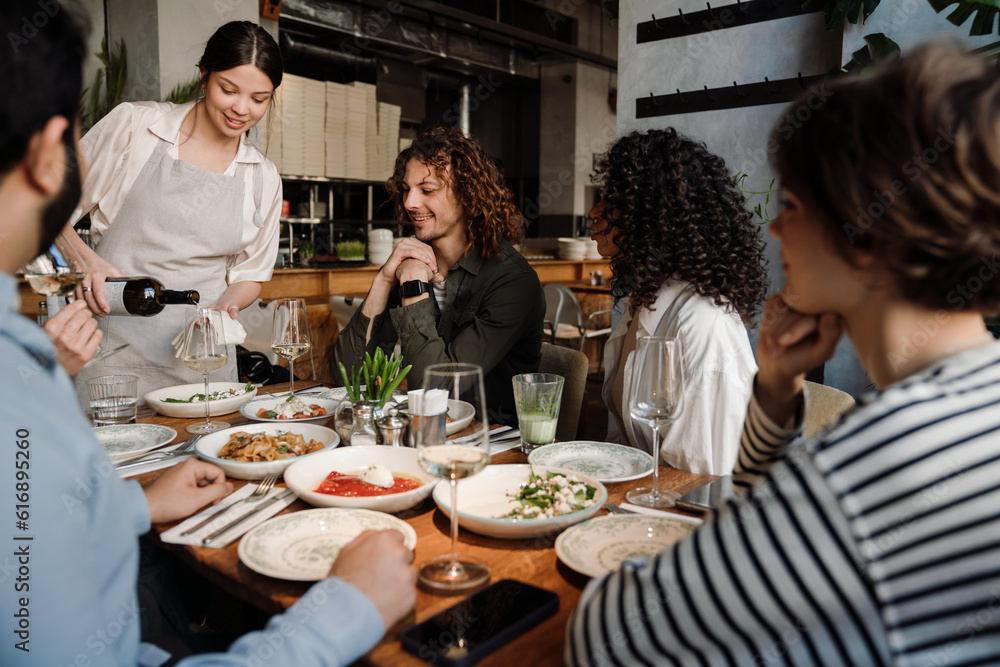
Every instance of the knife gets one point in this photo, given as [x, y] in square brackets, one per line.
[225, 529]
[495, 434]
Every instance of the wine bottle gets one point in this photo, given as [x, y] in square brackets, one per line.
[142, 295]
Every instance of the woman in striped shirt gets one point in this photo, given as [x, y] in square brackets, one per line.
[877, 542]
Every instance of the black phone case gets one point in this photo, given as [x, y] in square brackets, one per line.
[410, 637]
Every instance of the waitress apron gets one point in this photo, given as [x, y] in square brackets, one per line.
[182, 225]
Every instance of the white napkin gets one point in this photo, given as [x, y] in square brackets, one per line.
[654, 512]
[503, 446]
[430, 402]
[232, 333]
[173, 536]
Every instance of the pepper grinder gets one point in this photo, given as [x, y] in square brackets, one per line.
[393, 427]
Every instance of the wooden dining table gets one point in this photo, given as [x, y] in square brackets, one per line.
[532, 560]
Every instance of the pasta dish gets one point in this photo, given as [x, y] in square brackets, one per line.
[252, 447]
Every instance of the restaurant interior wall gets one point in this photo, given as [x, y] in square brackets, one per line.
[778, 50]
[165, 38]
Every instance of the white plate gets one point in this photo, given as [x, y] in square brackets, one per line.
[209, 445]
[218, 407]
[601, 545]
[125, 440]
[304, 476]
[604, 461]
[483, 498]
[251, 408]
[303, 545]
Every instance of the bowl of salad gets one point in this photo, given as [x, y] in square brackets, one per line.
[187, 401]
[518, 501]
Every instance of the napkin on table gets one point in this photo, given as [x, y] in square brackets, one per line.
[429, 402]
[232, 333]
[173, 536]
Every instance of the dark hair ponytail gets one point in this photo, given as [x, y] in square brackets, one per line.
[242, 43]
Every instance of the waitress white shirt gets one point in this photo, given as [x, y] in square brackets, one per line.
[719, 368]
[116, 150]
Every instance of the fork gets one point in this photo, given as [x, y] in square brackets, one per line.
[184, 448]
[262, 490]
[615, 509]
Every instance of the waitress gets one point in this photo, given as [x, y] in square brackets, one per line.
[180, 193]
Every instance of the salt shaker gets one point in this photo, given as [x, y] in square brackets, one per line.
[363, 430]
[393, 427]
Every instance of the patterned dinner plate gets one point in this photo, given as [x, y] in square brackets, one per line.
[604, 461]
[303, 545]
[124, 440]
[601, 545]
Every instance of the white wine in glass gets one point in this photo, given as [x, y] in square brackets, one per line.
[57, 271]
[452, 573]
[204, 354]
[655, 397]
[290, 334]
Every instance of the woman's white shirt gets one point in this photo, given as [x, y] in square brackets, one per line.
[116, 149]
[719, 368]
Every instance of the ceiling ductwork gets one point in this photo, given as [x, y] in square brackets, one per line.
[423, 33]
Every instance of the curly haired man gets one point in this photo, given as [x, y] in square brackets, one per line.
[458, 291]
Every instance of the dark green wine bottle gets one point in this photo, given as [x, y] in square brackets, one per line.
[144, 296]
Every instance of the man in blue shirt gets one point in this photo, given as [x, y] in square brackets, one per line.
[69, 552]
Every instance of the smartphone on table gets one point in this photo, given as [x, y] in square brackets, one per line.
[486, 620]
[704, 498]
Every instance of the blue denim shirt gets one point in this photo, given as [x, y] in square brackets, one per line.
[69, 554]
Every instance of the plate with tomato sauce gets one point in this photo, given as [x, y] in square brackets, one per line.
[335, 478]
[299, 408]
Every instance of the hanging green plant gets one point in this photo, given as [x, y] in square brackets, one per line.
[878, 49]
[838, 10]
[761, 209]
[986, 12]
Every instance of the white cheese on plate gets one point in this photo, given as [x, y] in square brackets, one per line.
[377, 475]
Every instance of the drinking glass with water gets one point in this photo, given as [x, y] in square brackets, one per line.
[113, 399]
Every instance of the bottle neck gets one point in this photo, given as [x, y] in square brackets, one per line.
[169, 296]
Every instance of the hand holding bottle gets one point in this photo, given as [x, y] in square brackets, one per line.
[98, 271]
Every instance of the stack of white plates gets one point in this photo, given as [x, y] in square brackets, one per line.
[591, 249]
[380, 245]
[572, 249]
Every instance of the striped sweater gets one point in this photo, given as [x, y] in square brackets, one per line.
[875, 543]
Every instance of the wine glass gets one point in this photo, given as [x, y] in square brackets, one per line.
[451, 573]
[290, 334]
[204, 354]
[57, 271]
[655, 398]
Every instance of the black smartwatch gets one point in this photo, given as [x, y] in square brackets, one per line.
[412, 288]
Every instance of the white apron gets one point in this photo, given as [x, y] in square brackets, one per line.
[182, 225]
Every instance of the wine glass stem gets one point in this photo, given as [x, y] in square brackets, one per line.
[291, 377]
[655, 492]
[207, 410]
[454, 517]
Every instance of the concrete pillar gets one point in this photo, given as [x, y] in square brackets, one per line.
[165, 38]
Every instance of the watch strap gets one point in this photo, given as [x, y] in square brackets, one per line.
[412, 288]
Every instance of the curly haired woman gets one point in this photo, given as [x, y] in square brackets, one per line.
[688, 258]
[487, 306]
